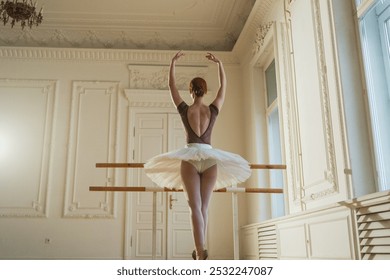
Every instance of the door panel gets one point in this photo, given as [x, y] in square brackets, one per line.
[180, 241]
[179, 234]
[155, 134]
[150, 139]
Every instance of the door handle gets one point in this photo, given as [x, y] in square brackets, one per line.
[171, 200]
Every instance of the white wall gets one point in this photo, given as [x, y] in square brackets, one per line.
[84, 122]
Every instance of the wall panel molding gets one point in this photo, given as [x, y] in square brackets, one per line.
[26, 125]
[320, 150]
[92, 138]
[290, 120]
[331, 172]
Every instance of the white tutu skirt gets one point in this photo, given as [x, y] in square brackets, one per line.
[164, 169]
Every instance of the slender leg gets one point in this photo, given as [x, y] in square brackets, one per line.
[199, 189]
[191, 180]
[208, 179]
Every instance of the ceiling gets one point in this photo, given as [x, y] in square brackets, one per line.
[212, 25]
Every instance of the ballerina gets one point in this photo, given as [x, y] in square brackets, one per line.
[198, 168]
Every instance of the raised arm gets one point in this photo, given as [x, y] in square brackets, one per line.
[176, 99]
[220, 98]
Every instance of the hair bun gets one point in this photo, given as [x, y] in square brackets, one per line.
[198, 91]
[198, 86]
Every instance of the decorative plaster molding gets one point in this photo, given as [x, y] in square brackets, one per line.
[329, 184]
[331, 173]
[296, 192]
[156, 76]
[322, 194]
[119, 39]
[256, 18]
[261, 33]
[107, 55]
[148, 98]
[104, 204]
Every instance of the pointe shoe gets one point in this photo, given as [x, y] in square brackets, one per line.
[198, 257]
[205, 254]
[194, 255]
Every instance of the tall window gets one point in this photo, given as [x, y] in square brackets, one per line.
[274, 144]
[374, 27]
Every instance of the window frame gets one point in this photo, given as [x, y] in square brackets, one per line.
[278, 208]
[363, 7]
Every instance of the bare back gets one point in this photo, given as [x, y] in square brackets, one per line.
[199, 118]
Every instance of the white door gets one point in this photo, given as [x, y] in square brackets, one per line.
[155, 134]
[179, 234]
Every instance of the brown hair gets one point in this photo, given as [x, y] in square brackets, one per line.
[198, 86]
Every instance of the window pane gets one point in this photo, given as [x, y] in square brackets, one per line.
[374, 29]
[275, 157]
[270, 81]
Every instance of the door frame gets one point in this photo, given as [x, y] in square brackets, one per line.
[140, 101]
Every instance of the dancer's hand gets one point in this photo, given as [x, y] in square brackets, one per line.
[212, 57]
[171, 80]
[177, 56]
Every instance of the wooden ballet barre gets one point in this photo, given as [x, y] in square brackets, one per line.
[267, 166]
[120, 165]
[131, 189]
[250, 190]
[157, 189]
[141, 165]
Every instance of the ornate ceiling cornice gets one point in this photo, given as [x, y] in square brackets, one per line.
[257, 18]
[103, 55]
